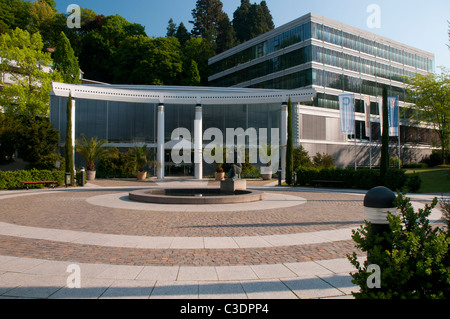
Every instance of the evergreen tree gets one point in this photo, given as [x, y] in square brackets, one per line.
[65, 61]
[241, 21]
[171, 28]
[251, 20]
[226, 38]
[182, 34]
[69, 142]
[212, 24]
[206, 17]
[267, 16]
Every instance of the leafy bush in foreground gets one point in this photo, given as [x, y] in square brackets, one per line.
[417, 263]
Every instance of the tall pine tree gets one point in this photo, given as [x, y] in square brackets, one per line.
[65, 61]
[252, 20]
[211, 23]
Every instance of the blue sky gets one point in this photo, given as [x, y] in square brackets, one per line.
[421, 24]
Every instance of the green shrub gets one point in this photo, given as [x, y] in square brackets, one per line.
[323, 160]
[359, 179]
[117, 165]
[415, 165]
[305, 175]
[414, 183]
[12, 179]
[395, 179]
[414, 261]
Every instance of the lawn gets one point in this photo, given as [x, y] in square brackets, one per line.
[434, 180]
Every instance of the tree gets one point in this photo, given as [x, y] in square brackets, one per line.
[37, 142]
[226, 36]
[252, 20]
[431, 95]
[182, 34]
[144, 60]
[91, 150]
[99, 46]
[65, 61]
[15, 14]
[69, 164]
[171, 28]
[301, 158]
[267, 16]
[190, 75]
[29, 66]
[289, 146]
[206, 17]
[212, 24]
[199, 50]
[241, 21]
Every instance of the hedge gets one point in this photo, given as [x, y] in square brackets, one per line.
[360, 179]
[12, 179]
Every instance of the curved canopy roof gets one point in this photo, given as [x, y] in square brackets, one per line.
[180, 95]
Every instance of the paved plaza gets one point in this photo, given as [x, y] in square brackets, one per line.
[93, 242]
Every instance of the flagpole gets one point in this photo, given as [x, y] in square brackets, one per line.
[399, 142]
[354, 116]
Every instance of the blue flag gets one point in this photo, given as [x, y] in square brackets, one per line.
[347, 109]
[393, 116]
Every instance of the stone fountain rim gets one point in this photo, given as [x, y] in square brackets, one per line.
[155, 197]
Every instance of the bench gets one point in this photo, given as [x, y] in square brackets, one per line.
[52, 183]
[326, 182]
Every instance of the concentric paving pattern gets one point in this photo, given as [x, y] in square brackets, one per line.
[75, 211]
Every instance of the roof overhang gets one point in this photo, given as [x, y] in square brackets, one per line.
[181, 95]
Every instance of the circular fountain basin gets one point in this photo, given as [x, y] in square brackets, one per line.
[199, 196]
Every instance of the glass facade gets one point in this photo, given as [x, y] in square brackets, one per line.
[274, 44]
[115, 122]
[120, 122]
[380, 50]
[355, 59]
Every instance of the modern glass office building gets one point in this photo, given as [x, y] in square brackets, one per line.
[311, 60]
[128, 116]
[332, 58]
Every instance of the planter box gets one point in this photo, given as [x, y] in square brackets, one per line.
[141, 176]
[219, 176]
[90, 175]
[266, 173]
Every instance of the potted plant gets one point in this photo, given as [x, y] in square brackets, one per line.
[141, 157]
[219, 174]
[92, 151]
[266, 172]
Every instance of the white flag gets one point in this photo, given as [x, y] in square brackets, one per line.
[347, 109]
[367, 108]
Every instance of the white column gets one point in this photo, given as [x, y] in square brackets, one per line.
[160, 142]
[73, 132]
[198, 142]
[284, 135]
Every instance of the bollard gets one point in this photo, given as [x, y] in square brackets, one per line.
[279, 177]
[377, 202]
[83, 177]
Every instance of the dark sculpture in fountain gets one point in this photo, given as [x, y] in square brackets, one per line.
[235, 172]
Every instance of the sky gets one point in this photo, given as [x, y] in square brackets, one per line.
[418, 23]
